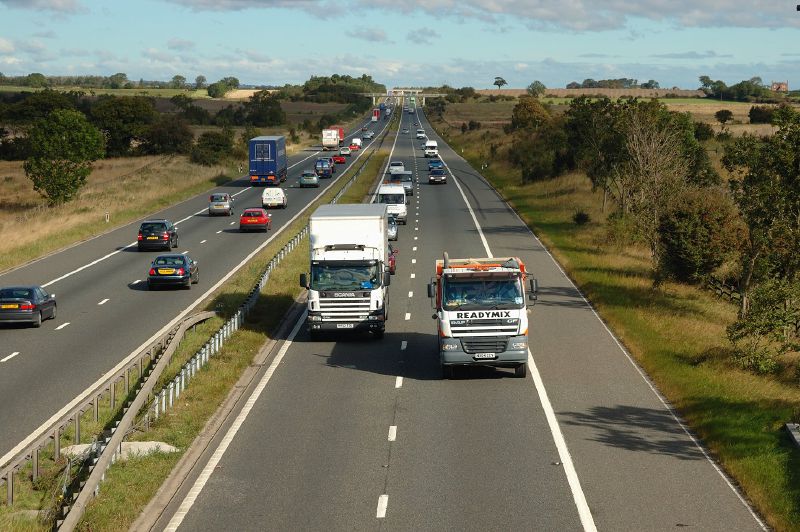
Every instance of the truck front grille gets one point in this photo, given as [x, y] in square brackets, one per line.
[484, 344]
[349, 309]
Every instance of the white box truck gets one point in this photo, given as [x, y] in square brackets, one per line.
[481, 311]
[394, 197]
[349, 278]
[431, 148]
[330, 139]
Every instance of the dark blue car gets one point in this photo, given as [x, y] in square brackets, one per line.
[26, 304]
[435, 163]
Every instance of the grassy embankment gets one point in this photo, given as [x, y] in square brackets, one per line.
[676, 333]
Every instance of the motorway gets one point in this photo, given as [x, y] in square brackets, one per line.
[105, 311]
[355, 433]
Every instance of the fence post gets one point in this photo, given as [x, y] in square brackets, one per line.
[57, 444]
[10, 488]
[78, 427]
[35, 464]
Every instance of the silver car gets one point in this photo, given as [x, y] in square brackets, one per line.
[220, 203]
[391, 228]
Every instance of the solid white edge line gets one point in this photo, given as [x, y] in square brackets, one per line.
[383, 503]
[584, 512]
[392, 433]
[116, 369]
[205, 474]
[9, 357]
[103, 302]
[62, 326]
[398, 382]
[218, 232]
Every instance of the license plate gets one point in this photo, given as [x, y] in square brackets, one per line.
[9, 306]
[485, 355]
[152, 238]
[166, 271]
[345, 325]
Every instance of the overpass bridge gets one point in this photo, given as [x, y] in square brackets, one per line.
[402, 93]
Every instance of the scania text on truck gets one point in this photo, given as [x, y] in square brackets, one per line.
[349, 278]
[376, 114]
[330, 139]
[267, 156]
[481, 312]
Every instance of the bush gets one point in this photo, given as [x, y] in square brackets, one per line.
[620, 229]
[212, 148]
[581, 217]
[703, 131]
[542, 153]
[697, 234]
[168, 135]
[761, 114]
[473, 125]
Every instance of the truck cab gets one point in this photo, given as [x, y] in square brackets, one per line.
[394, 197]
[481, 312]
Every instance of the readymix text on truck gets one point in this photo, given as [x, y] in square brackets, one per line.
[349, 278]
[481, 312]
[267, 160]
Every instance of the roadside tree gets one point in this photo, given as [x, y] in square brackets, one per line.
[178, 82]
[199, 82]
[536, 89]
[499, 82]
[124, 120]
[63, 147]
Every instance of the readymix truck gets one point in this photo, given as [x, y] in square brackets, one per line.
[481, 311]
[349, 278]
[267, 160]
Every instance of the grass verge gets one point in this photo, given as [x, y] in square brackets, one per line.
[677, 334]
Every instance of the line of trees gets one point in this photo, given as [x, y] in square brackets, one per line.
[620, 83]
[749, 90]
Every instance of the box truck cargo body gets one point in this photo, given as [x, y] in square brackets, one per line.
[267, 160]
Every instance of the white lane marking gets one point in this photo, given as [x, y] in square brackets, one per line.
[9, 357]
[413, 275]
[413, 261]
[137, 281]
[563, 451]
[415, 238]
[185, 252]
[408, 316]
[416, 229]
[201, 481]
[398, 382]
[89, 265]
[383, 503]
[392, 433]
[414, 248]
[62, 326]
[103, 302]
[218, 232]
[203, 241]
[410, 294]
[232, 223]
[403, 345]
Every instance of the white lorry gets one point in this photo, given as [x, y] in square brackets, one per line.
[481, 312]
[330, 139]
[349, 278]
[394, 197]
[431, 148]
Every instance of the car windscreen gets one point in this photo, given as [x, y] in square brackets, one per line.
[392, 199]
[344, 276]
[153, 227]
[251, 214]
[466, 294]
[16, 293]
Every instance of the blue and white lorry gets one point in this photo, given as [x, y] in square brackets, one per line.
[267, 156]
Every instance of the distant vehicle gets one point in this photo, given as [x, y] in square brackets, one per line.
[391, 228]
[330, 139]
[323, 168]
[339, 159]
[392, 260]
[26, 304]
[157, 234]
[396, 167]
[267, 160]
[274, 197]
[345, 150]
[355, 144]
[421, 134]
[308, 179]
[220, 203]
[172, 270]
[340, 129]
[437, 175]
[431, 149]
[405, 131]
[364, 127]
[410, 111]
[382, 106]
[395, 197]
[376, 115]
[407, 180]
[435, 163]
[255, 219]
[368, 135]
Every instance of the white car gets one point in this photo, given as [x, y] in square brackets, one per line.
[273, 197]
[396, 166]
[421, 134]
[345, 150]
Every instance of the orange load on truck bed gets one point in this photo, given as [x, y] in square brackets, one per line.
[481, 264]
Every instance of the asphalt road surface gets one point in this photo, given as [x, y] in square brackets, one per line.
[104, 308]
[355, 433]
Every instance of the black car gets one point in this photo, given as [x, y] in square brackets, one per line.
[157, 234]
[171, 270]
[26, 304]
[437, 175]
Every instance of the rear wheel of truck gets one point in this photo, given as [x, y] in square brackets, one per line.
[521, 370]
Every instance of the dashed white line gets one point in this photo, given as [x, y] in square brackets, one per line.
[413, 275]
[413, 261]
[185, 252]
[392, 433]
[383, 503]
[403, 345]
[62, 326]
[398, 382]
[410, 294]
[218, 232]
[137, 281]
[416, 229]
[9, 357]
[408, 316]
[231, 223]
[414, 248]
[203, 241]
[103, 302]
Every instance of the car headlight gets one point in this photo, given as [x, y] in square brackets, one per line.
[314, 317]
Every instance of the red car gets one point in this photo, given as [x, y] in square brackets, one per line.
[392, 260]
[339, 159]
[255, 219]
[354, 147]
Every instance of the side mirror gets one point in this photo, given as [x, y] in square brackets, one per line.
[303, 280]
[431, 290]
[534, 290]
[387, 278]
[408, 201]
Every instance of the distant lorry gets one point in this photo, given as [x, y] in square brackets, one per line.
[376, 114]
[341, 134]
[394, 197]
[481, 312]
[349, 269]
[330, 139]
[267, 156]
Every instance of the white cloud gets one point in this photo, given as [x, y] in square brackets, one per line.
[6, 46]
[422, 36]
[61, 6]
[368, 34]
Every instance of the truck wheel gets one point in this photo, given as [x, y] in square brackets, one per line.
[521, 370]
[448, 372]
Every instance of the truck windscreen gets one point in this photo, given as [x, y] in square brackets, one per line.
[474, 294]
[344, 276]
[393, 199]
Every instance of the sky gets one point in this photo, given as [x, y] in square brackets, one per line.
[406, 42]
